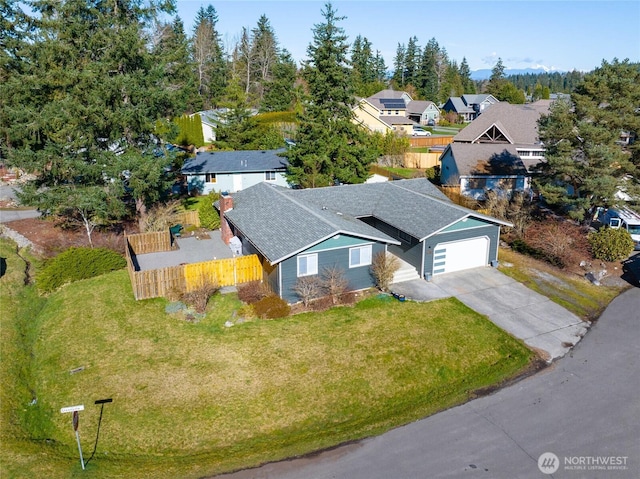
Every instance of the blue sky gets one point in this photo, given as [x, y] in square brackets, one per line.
[560, 35]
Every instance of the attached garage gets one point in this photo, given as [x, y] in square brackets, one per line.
[462, 254]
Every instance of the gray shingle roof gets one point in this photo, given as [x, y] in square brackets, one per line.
[518, 122]
[281, 222]
[235, 162]
[279, 225]
[487, 159]
[418, 106]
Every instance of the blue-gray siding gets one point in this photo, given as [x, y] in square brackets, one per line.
[491, 231]
[358, 278]
[410, 250]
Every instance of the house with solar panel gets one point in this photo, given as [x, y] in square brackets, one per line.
[233, 171]
[391, 110]
[299, 233]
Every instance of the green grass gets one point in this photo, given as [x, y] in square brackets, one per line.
[403, 172]
[573, 293]
[191, 400]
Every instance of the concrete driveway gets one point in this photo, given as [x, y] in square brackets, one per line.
[542, 324]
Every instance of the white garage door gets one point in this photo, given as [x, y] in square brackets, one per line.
[459, 255]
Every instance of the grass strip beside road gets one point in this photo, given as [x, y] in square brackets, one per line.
[570, 291]
[191, 400]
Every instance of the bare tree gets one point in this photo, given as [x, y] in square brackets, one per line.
[308, 288]
[383, 267]
[334, 282]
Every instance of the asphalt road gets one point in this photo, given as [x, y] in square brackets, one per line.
[585, 409]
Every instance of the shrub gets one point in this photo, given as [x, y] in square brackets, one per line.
[199, 298]
[308, 288]
[209, 217]
[611, 244]
[383, 267]
[271, 307]
[559, 242]
[334, 283]
[161, 216]
[252, 292]
[78, 263]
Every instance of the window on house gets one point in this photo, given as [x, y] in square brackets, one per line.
[360, 256]
[210, 178]
[307, 265]
[270, 175]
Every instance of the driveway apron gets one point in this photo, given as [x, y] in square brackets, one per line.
[542, 324]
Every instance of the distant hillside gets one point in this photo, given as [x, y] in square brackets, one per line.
[485, 74]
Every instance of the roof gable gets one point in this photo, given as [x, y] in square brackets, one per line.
[518, 123]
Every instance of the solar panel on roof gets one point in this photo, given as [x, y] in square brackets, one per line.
[393, 103]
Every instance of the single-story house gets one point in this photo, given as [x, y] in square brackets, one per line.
[233, 171]
[499, 150]
[299, 233]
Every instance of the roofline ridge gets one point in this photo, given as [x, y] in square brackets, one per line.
[304, 206]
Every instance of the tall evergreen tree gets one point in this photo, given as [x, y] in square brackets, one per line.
[171, 47]
[428, 80]
[465, 76]
[585, 164]
[411, 61]
[365, 68]
[330, 147]
[265, 55]
[279, 91]
[208, 55]
[399, 63]
[89, 91]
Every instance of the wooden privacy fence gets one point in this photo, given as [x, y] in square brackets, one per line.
[188, 218]
[155, 283]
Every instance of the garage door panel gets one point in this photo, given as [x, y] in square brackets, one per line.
[460, 255]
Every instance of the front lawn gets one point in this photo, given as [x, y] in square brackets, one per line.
[196, 399]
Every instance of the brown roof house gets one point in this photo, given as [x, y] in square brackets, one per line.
[497, 151]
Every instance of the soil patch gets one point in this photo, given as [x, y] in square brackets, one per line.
[50, 238]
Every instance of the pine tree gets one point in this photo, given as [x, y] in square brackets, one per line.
[279, 91]
[585, 165]
[208, 55]
[399, 63]
[330, 147]
[89, 92]
[265, 55]
[465, 76]
[428, 82]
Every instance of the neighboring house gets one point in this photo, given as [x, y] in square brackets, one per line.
[233, 171]
[421, 111]
[499, 150]
[210, 120]
[469, 107]
[368, 116]
[391, 110]
[299, 233]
